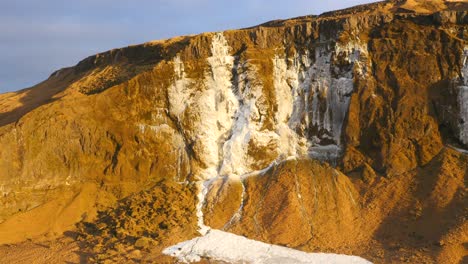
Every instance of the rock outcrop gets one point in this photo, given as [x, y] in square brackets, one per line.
[345, 132]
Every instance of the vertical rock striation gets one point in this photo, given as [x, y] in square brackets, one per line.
[463, 99]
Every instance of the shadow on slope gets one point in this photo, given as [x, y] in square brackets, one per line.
[15, 105]
[433, 205]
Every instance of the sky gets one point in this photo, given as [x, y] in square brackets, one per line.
[38, 37]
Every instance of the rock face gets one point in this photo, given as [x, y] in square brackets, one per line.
[294, 193]
[320, 133]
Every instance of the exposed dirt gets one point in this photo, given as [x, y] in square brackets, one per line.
[141, 226]
[63, 250]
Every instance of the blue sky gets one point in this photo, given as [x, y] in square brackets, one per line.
[38, 37]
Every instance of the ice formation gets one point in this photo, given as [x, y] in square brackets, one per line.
[217, 107]
[289, 99]
[463, 100]
[235, 160]
[464, 151]
[331, 87]
[224, 115]
[319, 96]
[238, 214]
[178, 93]
[227, 247]
[203, 186]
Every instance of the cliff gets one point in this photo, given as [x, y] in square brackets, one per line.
[345, 132]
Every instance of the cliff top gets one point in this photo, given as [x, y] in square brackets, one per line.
[115, 66]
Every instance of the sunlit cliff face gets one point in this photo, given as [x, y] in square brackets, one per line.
[319, 133]
[312, 92]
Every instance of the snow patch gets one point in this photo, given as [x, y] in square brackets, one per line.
[227, 247]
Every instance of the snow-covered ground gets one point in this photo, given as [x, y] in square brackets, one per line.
[227, 247]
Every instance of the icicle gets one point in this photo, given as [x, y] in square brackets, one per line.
[463, 99]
